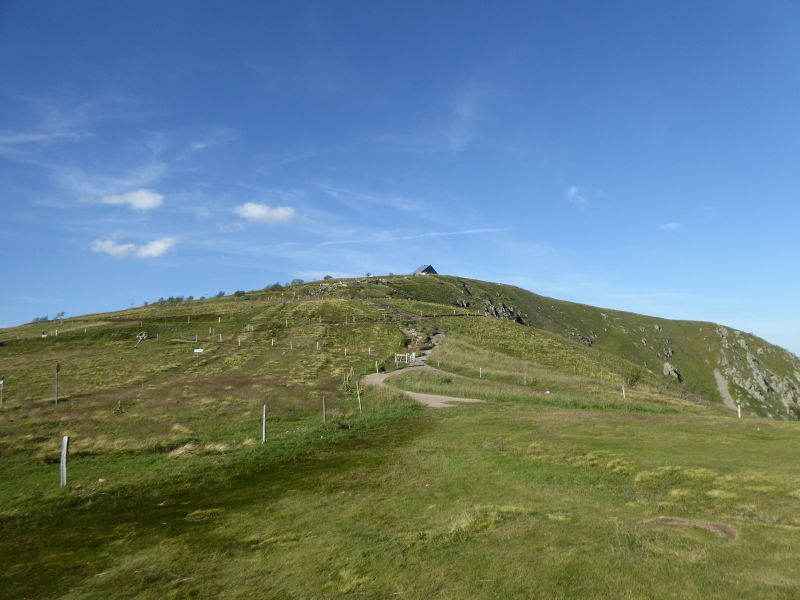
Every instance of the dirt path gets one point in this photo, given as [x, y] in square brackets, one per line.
[431, 400]
[722, 386]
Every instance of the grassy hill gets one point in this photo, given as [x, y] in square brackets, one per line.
[763, 378]
[557, 486]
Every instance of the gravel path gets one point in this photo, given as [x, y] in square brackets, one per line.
[432, 400]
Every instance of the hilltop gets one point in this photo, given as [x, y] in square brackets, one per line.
[709, 361]
[763, 378]
[609, 492]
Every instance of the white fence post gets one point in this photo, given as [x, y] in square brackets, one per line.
[64, 452]
[263, 423]
[358, 395]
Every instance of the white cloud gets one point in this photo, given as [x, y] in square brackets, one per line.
[141, 199]
[576, 196]
[262, 213]
[671, 226]
[152, 249]
[155, 248]
[113, 248]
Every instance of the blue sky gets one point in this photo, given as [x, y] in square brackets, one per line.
[634, 155]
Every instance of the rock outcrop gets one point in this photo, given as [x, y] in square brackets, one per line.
[671, 371]
[754, 383]
[501, 310]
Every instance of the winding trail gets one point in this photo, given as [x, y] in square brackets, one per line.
[430, 400]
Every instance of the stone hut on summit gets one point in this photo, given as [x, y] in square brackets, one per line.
[426, 270]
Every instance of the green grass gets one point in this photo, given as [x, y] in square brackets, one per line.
[575, 493]
[504, 500]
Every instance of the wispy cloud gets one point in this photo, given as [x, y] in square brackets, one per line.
[671, 226]
[141, 199]
[263, 213]
[576, 196]
[357, 199]
[464, 110]
[152, 249]
[48, 122]
[77, 181]
[388, 237]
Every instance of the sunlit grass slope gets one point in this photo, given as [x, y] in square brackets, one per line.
[558, 486]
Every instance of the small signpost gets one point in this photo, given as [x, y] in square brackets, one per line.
[198, 350]
[64, 452]
[264, 424]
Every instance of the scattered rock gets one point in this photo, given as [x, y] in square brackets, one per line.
[671, 371]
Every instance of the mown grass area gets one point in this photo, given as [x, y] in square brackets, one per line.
[504, 500]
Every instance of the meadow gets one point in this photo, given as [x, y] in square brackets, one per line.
[556, 487]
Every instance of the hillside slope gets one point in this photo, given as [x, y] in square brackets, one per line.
[704, 358]
[173, 492]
